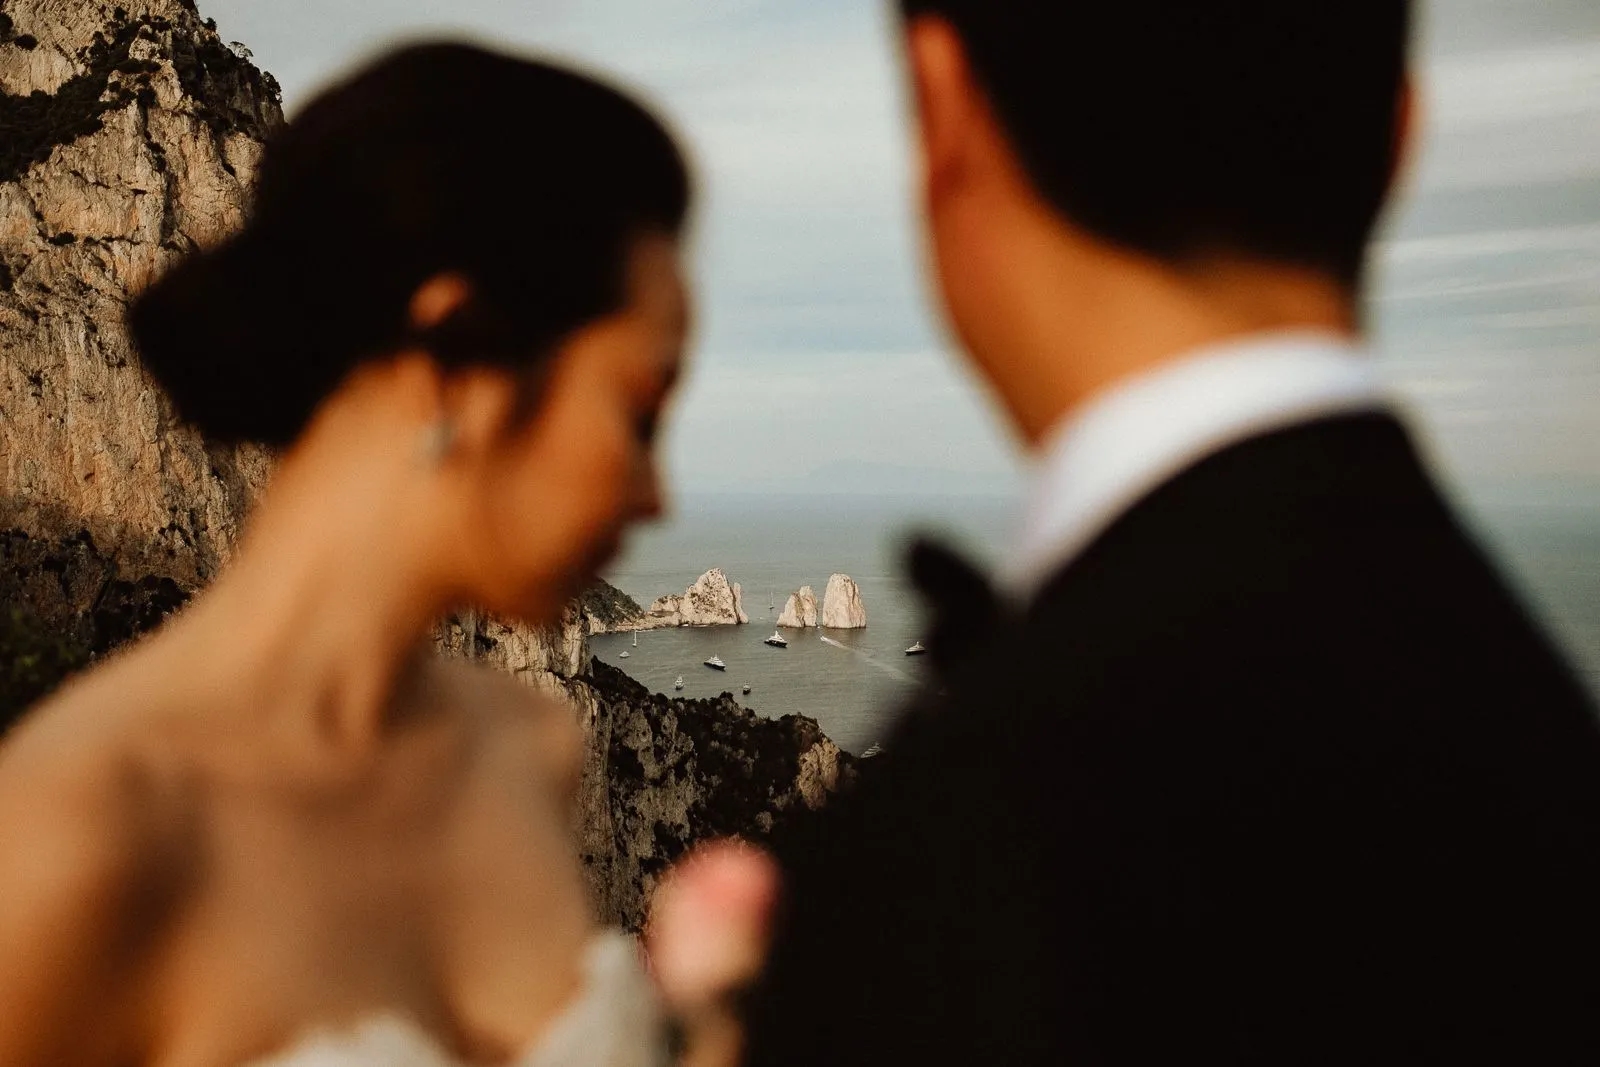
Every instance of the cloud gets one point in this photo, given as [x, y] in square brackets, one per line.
[1513, 117]
[820, 359]
[840, 422]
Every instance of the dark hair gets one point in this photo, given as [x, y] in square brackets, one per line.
[531, 181]
[1191, 127]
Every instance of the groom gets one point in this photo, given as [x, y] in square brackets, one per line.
[1269, 767]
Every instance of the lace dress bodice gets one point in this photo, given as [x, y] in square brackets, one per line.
[615, 1021]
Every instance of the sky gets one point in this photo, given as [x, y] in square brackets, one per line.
[821, 365]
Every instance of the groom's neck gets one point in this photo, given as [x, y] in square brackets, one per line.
[1065, 320]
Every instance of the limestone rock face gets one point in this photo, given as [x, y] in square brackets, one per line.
[800, 610]
[711, 601]
[842, 608]
[548, 659]
[143, 145]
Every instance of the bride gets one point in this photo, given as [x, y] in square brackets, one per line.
[281, 831]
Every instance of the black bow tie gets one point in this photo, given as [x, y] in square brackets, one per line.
[965, 612]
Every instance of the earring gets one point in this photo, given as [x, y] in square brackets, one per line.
[436, 442]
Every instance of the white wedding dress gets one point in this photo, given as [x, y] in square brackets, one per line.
[615, 1021]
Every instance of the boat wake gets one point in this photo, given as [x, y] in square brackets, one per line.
[873, 660]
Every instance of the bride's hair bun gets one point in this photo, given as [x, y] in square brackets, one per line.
[529, 180]
[216, 334]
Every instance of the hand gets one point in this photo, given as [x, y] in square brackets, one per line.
[709, 930]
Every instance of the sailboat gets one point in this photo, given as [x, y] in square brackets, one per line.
[625, 652]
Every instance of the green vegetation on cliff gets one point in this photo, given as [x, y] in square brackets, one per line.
[62, 604]
[608, 607]
[34, 659]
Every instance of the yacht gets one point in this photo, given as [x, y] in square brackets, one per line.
[777, 640]
[716, 664]
[917, 649]
[873, 749]
[679, 683]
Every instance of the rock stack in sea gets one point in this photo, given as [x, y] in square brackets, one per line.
[607, 609]
[800, 610]
[842, 606]
[712, 600]
[131, 134]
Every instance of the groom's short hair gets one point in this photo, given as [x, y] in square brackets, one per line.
[1186, 128]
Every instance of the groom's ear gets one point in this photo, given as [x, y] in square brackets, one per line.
[1405, 131]
[948, 101]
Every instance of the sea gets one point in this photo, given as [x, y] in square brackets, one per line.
[855, 682]
[851, 681]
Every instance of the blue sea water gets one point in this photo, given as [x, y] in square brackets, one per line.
[854, 682]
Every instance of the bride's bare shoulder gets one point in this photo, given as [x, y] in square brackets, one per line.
[85, 861]
[523, 718]
[73, 783]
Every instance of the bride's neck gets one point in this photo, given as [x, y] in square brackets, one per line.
[327, 602]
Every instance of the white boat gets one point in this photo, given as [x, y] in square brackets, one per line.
[746, 690]
[873, 749]
[716, 664]
[679, 683]
[625, 654]
[777, 640]
[917, 649]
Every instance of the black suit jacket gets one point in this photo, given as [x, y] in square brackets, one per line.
[1277, 771]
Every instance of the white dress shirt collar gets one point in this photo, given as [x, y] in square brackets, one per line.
[1108, 454]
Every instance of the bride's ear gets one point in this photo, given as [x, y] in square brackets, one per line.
[1406, 127]
[438, 298]
[475, 402]
[948, 103]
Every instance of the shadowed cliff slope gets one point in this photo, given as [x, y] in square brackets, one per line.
[675, 772]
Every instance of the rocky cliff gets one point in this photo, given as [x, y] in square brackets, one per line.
[548, 659]
[711, 601]
[842, 607]
[129, 135]
[800, 610]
